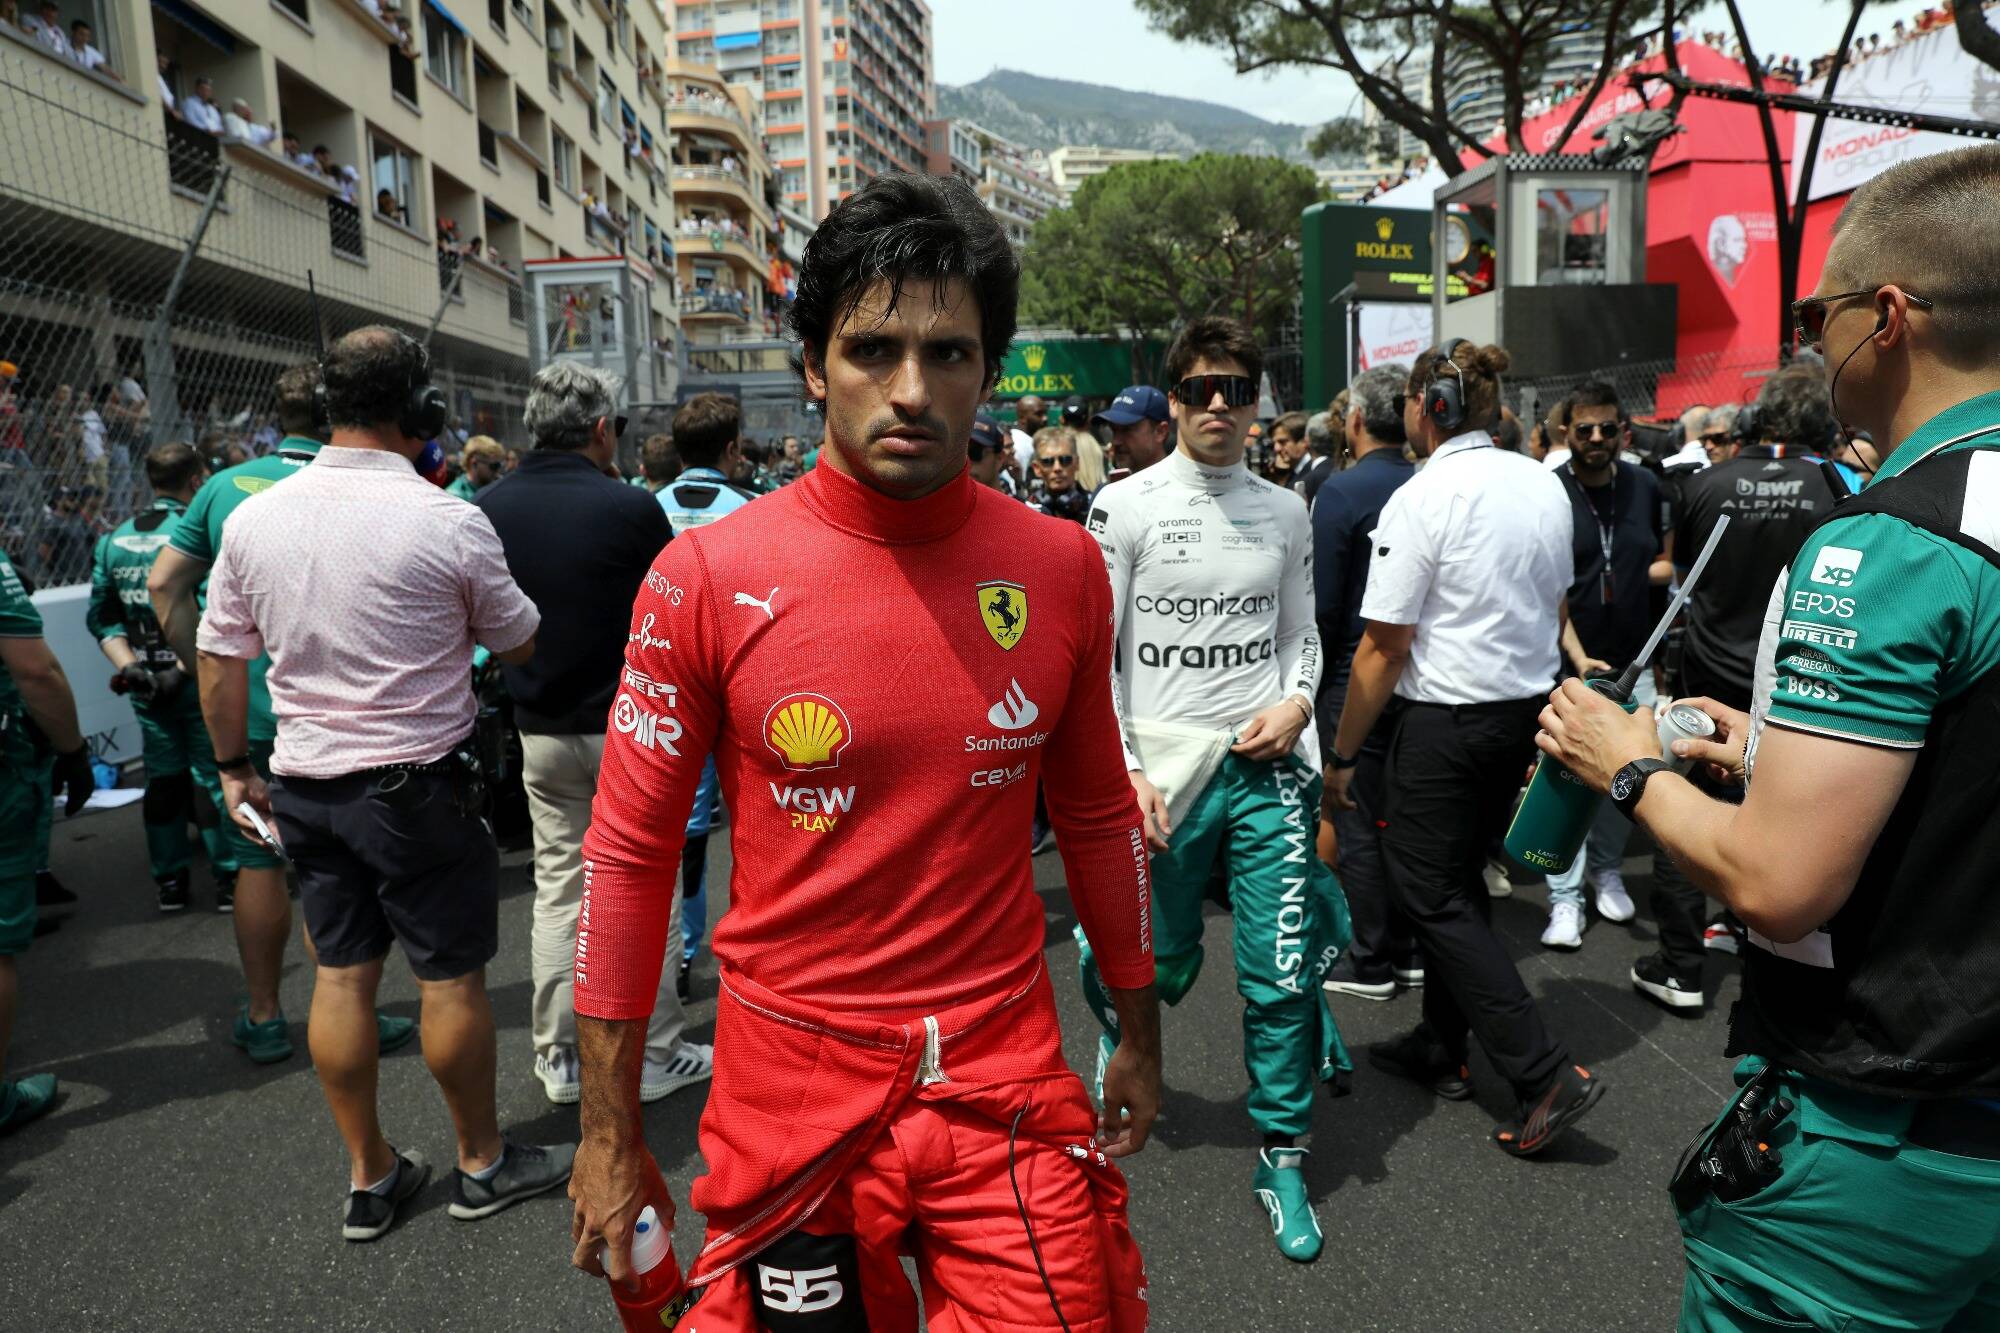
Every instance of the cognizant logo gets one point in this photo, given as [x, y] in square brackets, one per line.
[1187, 610]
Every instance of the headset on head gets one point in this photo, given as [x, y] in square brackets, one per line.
[1444, 399]
[425, 410]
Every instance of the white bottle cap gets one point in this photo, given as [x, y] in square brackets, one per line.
[650, 1242]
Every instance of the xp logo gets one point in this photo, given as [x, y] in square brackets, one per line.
[807, 732]
[1837, 566]
[1003, 609]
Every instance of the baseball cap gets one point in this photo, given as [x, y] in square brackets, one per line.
[1141, 402]
[986, 433]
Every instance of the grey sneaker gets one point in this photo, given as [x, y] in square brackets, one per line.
[370, 1215]
[525, 1171]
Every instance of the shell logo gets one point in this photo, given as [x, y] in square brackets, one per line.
[807, 732]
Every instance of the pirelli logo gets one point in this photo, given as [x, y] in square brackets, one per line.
[1812, 631]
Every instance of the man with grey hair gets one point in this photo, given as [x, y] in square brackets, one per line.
[1343, 518]
[1323, 435]
[579, 544]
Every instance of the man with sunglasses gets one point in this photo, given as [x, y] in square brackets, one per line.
[1622, 553]
[1056, 490]
[579, 544]
[1218, 665]
[1855, 1182]
[1773, 495]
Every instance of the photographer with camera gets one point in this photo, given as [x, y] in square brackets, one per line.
[175, 746]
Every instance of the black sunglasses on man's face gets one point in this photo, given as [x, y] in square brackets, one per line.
[1200, 390]
[1809, 314]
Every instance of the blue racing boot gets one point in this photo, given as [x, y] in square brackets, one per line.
[1280, 1186]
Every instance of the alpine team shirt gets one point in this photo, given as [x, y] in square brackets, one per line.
[1879, 622]
[882, 683]
[1475, 551]
[1211, 587]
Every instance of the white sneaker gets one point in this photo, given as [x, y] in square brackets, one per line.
[562, 1078]
[1498, 885]
[690, 1064]
[1613, 903]
[1565, 927]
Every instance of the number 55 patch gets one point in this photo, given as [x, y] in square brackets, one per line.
[811, 1284]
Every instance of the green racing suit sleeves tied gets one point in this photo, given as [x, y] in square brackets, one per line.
[1255, 821]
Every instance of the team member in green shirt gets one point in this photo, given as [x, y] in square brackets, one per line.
[39, 737]
[263, 905]
[176, 747]
[1855, 1183]
[483, 459]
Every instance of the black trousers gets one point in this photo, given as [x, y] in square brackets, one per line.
[1680, 908]
[1383, 939]
[1451, 778]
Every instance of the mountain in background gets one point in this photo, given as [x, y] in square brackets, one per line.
[1047, 113]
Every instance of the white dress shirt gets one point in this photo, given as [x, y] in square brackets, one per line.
[1475, 552]
[236, 127]
[51, 38]
[201, 114]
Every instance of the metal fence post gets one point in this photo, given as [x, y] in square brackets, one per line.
[170, 423]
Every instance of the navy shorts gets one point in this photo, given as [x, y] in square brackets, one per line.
[391, 856]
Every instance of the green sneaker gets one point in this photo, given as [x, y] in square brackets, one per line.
[1280, 1186]
[22, 1099]
[393, 1033]
[265, 1043]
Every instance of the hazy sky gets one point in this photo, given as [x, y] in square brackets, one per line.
[1108, 42]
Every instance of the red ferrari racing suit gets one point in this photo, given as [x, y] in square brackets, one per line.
[882, 682]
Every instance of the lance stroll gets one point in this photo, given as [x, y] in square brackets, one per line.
[885, 658]
[1219, 660]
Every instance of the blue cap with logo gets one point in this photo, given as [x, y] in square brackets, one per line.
[986, 433]
[1141, 402]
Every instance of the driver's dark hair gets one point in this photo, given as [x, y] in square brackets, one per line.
[906, 229]
[704, 428]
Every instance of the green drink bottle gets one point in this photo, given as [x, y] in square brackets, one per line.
[1555, 814]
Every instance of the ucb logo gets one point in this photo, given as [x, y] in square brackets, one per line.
[1035, 355]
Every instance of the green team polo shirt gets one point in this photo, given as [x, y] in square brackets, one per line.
[1881, 621]
[119, 605]
[199, 534]
[18, 620]
[462, 487]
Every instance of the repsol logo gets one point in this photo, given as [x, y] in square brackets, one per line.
[1187, 610]
[1204, 657]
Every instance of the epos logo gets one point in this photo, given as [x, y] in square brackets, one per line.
[1836, 566]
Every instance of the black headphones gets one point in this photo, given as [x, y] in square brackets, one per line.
[425, 409]
[1444, 399]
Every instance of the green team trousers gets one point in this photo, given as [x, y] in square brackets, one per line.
[1861, 1230]
[1255, 823]
[25, 803]
[178, 757]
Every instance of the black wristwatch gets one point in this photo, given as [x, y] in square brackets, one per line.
[1340, 763]
[1628, 784]
[229, 765]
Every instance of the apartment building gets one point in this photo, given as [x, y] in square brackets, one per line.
[1013, 183]
[845, 85]
[951, 149]
[1073, 164]
[419, 157]
[727, 245]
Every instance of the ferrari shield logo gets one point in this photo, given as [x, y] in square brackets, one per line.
[1004, 609]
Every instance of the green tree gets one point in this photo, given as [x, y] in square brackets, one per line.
[1151, 244]
[1381, 44]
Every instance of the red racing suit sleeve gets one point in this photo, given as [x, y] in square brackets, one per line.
[1090, 799]
[662, 726]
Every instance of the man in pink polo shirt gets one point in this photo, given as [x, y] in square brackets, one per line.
[369, 588]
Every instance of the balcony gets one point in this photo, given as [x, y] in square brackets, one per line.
[193, 155]
[725, 239]
[725, 304]
[343, 225]
[719, 181]
[697, 110]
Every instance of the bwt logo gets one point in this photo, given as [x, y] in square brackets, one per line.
[1768, 490]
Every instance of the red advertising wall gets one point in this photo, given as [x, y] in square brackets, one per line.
[1711, 225]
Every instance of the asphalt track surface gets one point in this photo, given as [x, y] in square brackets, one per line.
[176, 1186]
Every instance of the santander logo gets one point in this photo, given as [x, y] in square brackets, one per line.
[1015, 711]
